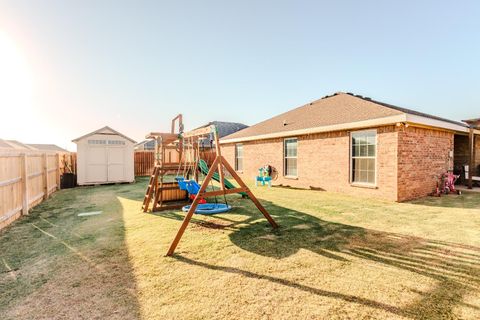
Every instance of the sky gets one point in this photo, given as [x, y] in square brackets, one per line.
[70, 67]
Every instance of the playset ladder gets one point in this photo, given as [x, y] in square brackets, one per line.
[152, 185]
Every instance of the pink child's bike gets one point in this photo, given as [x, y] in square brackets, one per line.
[446, 184]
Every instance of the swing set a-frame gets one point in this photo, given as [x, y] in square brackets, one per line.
[220, 165]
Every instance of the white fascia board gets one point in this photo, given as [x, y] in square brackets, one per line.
[337, 127]
[415, 119]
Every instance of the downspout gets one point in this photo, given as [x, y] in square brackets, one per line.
[471, 167]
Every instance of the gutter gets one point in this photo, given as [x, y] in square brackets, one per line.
[335, 127]
[434, 123]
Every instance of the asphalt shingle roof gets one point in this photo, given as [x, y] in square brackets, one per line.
[339, 108]
[47, 147]
[226, 128]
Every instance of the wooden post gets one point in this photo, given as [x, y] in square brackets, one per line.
[192, 209]
[179, 117]
[471, 166]
[196, 157]
[57, 160]
[158, 187]
[45, 175]
[24, 175]
[219, 154]
[158, 142]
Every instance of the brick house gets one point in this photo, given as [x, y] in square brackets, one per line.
[353, 144]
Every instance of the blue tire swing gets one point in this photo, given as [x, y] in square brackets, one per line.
[209, 208]
[192, 187]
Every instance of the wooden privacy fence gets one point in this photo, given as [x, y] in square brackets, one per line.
[27, 179]
[145, 160]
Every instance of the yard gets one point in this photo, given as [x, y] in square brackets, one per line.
[334, 257]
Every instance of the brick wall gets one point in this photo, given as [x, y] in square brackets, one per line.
[409, 160]
[423, 155]
[477, 154]
[324, 162]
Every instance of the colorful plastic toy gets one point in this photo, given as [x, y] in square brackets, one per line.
[264, 176]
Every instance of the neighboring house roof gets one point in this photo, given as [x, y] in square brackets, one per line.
[14, 145]
[473, 123]
[102, 131]
[4, 144]
[147, 143]
[339, 111]
[225, 128]
[47, 147]
[141, 143]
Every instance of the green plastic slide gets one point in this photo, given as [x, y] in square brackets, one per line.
[203, 167]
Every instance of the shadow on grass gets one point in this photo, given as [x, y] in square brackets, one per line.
[55, 264]
[455, 267]
[288, 283]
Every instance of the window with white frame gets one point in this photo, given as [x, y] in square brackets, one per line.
[364, 157]
[239, 157]
[290, 157]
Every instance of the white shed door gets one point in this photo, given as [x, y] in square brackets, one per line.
[116, 163]
[96, 164]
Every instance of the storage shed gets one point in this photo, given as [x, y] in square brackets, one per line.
[104, 156]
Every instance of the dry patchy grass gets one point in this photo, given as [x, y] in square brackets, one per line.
[334, 257]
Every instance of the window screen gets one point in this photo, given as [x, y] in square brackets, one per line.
[363, 157]
[239, 157]
[290, 153]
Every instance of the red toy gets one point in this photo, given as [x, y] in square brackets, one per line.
[446, 184]
[201, 201]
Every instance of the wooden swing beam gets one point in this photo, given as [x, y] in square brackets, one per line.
[217, 164]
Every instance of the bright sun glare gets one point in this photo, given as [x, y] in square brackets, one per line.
[15, 83]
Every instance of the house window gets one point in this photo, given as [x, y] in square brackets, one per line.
[239, 157]
[290, 154]
[364, 157]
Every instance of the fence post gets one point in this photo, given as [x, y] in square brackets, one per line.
[45, 175]
[58, 170]
[24, 174]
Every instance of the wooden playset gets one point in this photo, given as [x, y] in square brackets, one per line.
[185, 188]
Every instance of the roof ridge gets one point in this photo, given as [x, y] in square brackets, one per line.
[101, 129]
[406, 110]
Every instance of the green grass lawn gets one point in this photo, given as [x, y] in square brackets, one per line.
[334, 257]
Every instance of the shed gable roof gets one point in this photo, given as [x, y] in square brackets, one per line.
[104, 130]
